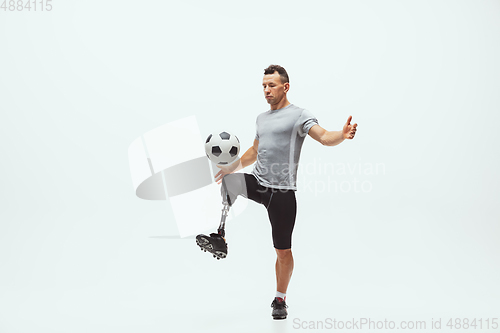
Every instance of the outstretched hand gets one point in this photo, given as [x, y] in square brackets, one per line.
[349, 130]
[225, 170]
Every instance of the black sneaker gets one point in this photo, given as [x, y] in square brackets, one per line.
[215, 244]
[279, 308]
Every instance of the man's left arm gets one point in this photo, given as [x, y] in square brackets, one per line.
[333, 138]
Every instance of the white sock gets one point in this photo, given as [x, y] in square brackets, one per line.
[278, 294]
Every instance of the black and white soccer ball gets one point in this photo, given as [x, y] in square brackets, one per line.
[222, 148]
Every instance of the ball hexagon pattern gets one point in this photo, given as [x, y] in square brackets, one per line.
[222, 148]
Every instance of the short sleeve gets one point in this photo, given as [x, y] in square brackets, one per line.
[306, 121]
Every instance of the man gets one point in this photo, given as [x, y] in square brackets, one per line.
[276, 151]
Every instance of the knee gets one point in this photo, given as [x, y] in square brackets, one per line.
[284, 255]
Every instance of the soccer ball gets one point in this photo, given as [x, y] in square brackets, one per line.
[222, 148]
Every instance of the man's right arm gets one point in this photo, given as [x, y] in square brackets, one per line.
[248, 158]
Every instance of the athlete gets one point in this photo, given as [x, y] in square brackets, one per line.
[280, 133]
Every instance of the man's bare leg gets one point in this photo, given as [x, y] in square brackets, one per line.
[284, 269]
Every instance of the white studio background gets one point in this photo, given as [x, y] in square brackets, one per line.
[79, 252]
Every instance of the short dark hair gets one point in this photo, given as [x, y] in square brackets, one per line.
[281, 71]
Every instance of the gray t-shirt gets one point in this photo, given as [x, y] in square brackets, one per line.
[280, 134]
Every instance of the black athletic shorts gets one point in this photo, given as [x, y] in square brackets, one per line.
[281, 204]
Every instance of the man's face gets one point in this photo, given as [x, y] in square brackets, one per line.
[274, 90]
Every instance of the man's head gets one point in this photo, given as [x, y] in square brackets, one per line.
[275, 84]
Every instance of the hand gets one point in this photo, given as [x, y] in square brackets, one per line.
[349, 130]
[225, 170]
